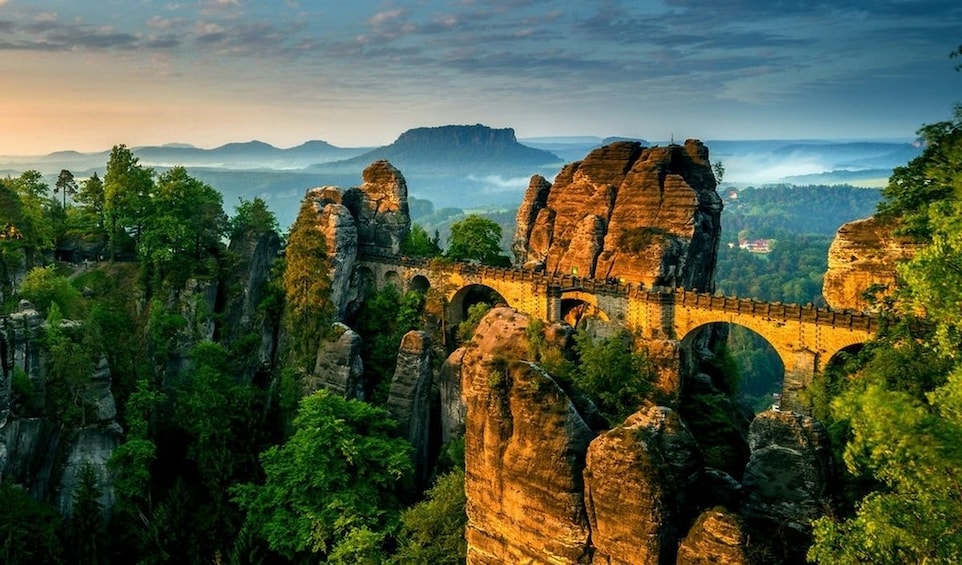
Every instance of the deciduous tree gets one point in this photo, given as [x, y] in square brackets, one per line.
[476, 238]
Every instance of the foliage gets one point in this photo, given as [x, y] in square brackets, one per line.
[307, 287]
[44, 287]
[127, 185]
[477, 239]
[934, 276]
[903, 404]
[91, 195]
[28, 528]
[934, 176]
[66, 185]
[86, 535]
[383, 320]
[69, 371]
[181, 228]
[614, 375]
[21, 384]
[251, 216]
[433, 531]
[133, 524]
[912, 447]
[332, 483]
[419, 244]
[469, 325]
[28, 208]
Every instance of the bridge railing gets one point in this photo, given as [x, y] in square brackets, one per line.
[612, 287]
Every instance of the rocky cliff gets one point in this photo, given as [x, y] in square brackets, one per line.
[862, 256]
[370, 218]
[628, 212]
[545, 486]
[40, 450]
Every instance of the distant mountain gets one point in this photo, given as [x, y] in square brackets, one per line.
[249, 155]
[454, 148]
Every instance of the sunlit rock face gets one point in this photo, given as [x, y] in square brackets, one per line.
[380, 209]
[628, 212]
[863, 255]
[716, 538]
[640, 481]
[525, 445]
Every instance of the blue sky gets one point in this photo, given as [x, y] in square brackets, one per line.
[87, 75]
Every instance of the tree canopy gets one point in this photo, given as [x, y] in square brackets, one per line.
[476, 238]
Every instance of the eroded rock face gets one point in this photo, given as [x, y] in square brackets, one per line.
[337, 224]
[242, 314]
[525, 445]
[380, 209]
[717, 538]
[864, 253]
[409, 399]
[338, 366]
[453, 411]
[785, 485]
[36, 450]
[643, 214]
[639, 484]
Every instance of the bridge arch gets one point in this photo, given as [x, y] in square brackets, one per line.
[761, 373]
[393, 278]
[576, 305]
[419, 283]
[466, 297]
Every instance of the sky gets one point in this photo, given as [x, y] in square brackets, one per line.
[88, 75]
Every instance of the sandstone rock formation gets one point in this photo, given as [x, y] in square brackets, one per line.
[525, 445]
[786, 481]
[35, 449]
[409, 399]
[646, 215]
[452, 409]
[639, 487]
[371, 218]
[380, 209]
[863, 254]
[717, 538]
[338, 366]
[243, 315]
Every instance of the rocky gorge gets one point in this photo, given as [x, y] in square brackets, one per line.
[547, 479]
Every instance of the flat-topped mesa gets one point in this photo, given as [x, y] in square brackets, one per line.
[642, 214]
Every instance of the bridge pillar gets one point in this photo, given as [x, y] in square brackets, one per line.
[553, 310]
[797, 377]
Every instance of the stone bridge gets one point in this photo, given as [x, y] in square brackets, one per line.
[804, 337]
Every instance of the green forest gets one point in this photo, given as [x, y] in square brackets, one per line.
[227, 459]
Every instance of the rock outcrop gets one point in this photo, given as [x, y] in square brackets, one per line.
[338, 366]
[628, 212]
[717, 538]
[242, 312]
[640, 484]
[863, 255]
[36, 449]
[372, 218]
[409, 398]
[525, 444]
[786, 481]
[380, 209]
